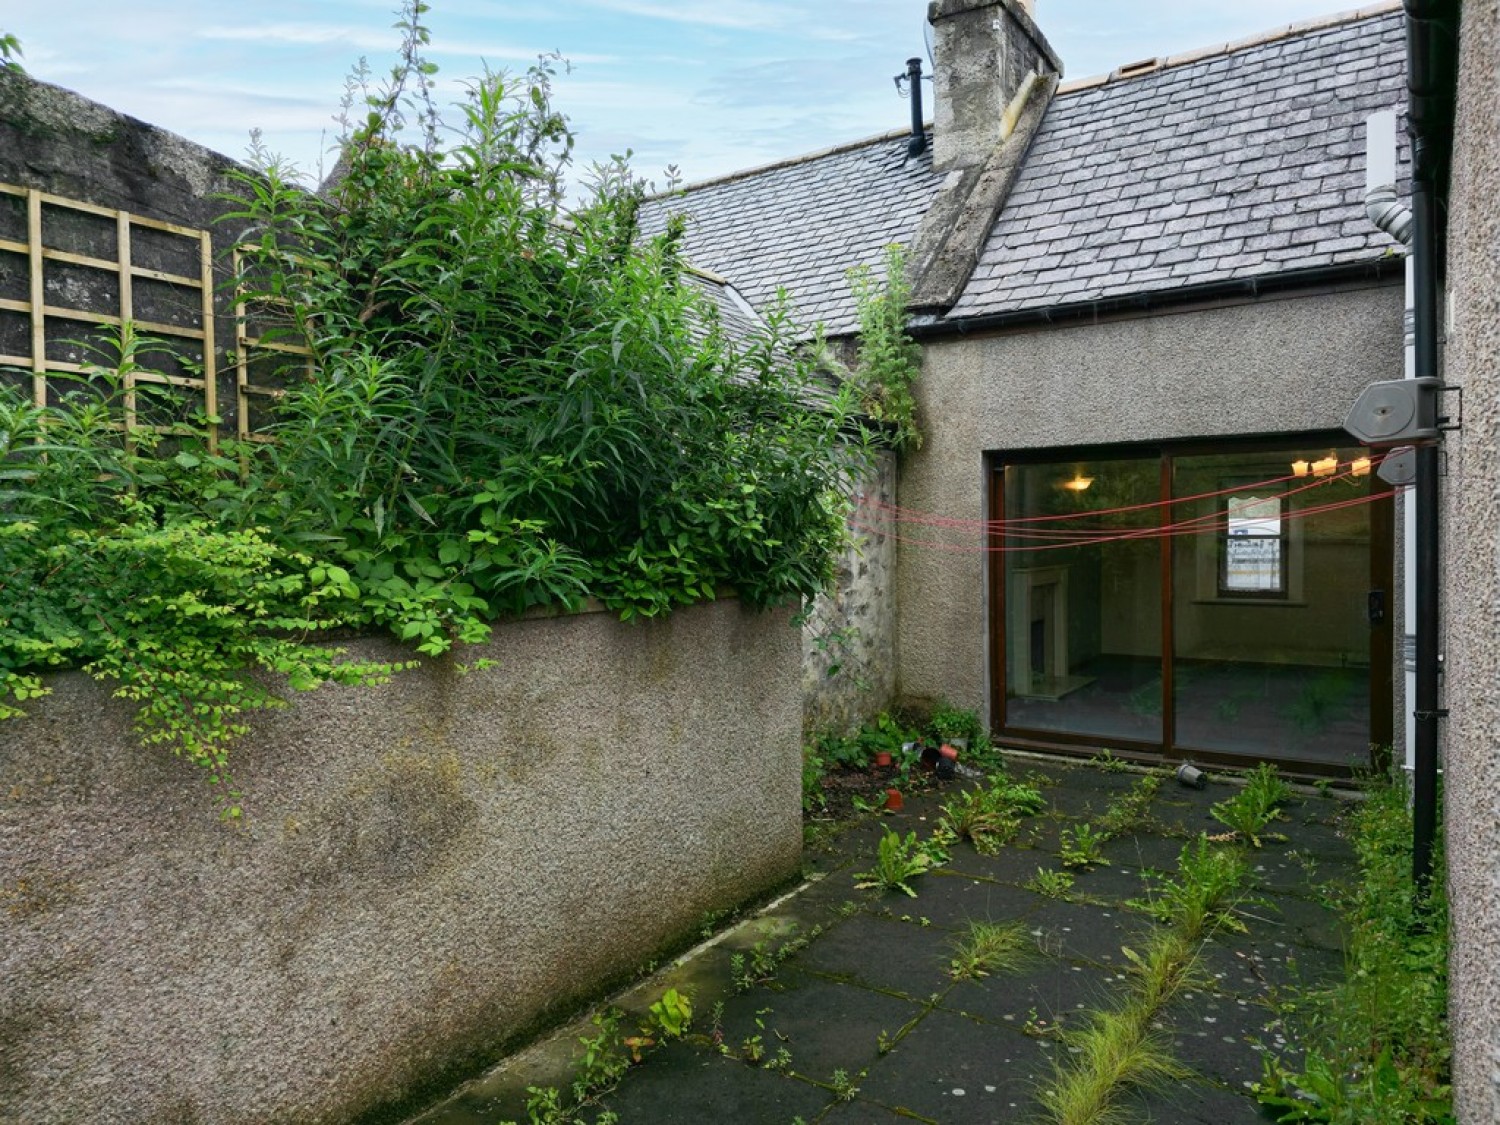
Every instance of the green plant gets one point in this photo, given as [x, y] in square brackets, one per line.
[1204, 893]
[1053, 884]
[989, 816]
[814, 769]
[948, 722]
[766, 956]
[10, 51]
[889, 361]
[898, 860]
[985, 948]
[1249, 811]
[1130, 811]
[509, 405]
[1375, 1046]
[673, 1014]
[603, 1061]
[1080, 846]
[1107, 761]
[843, 1086]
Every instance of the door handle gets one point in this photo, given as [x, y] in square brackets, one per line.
[1375, 607]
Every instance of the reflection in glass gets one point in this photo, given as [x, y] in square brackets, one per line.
[1083, 619]
[1271, 638]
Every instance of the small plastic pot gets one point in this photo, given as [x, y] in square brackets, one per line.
[894, 800]
[882, 758]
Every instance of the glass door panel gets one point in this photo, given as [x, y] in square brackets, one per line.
[1082, 595]
[1271, 635]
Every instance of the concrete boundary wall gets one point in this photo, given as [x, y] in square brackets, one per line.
[429, 867]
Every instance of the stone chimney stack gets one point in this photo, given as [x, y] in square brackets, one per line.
[984, 51]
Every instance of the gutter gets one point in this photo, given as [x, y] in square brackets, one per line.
[1373, 269]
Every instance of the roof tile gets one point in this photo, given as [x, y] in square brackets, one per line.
[1233, 166]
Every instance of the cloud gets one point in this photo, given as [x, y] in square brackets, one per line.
[742, 15]
[300, 34]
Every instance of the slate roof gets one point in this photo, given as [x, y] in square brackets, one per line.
[1227, 165]
[804, 224]
[737, 317]
[1236, 166]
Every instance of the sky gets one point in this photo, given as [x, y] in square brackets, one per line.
[707, 86]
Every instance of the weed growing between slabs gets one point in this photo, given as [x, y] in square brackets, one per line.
[1119, 1049]
[1375, 1047]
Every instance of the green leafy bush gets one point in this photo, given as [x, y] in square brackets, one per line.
[510, 405]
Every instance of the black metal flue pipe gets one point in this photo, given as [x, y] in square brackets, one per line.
[918, 143]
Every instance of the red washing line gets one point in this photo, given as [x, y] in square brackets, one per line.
[1163, 532]
[907, 515]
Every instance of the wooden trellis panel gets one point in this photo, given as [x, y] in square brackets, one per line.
[197, 336]
[252, 344]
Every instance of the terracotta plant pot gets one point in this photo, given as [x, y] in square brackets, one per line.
[882, 758]
[894, 800]
[948, 751]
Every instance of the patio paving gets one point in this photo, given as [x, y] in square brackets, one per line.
[863, 1023]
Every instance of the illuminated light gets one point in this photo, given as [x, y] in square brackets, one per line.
[1299, 468]
[1079, 483]
[1325, 467]
[1359, 467]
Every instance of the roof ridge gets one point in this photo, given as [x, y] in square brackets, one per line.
[1302, 27]
[788, 162]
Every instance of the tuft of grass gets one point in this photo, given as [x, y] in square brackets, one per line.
[986, 948]
[1118, 1051]
[1052, 884]
[1129, 812]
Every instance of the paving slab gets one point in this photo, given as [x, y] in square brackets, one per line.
[826, 1025]
[951, 900]
[1078, 931]
[684, 1086]
[885, 954]
[955, 1071]
[864, 987]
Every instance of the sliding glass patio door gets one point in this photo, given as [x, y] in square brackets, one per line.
[1228, 604]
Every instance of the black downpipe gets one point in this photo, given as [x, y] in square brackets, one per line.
[918, 143]
[1424, 121]
[1425, 756]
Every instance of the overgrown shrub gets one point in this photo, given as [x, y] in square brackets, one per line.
[511, 404]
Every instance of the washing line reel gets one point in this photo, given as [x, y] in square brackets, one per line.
[1400, 412]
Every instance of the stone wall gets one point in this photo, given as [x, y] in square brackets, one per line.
[58, 142]
[1471, 576]
[428, 868]
[848, 641]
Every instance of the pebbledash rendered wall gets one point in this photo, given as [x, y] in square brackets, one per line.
[1282, 363]
[429, 867]
[1471, 576]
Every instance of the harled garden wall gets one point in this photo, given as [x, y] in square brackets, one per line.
[1470, 546]
[428, 868]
